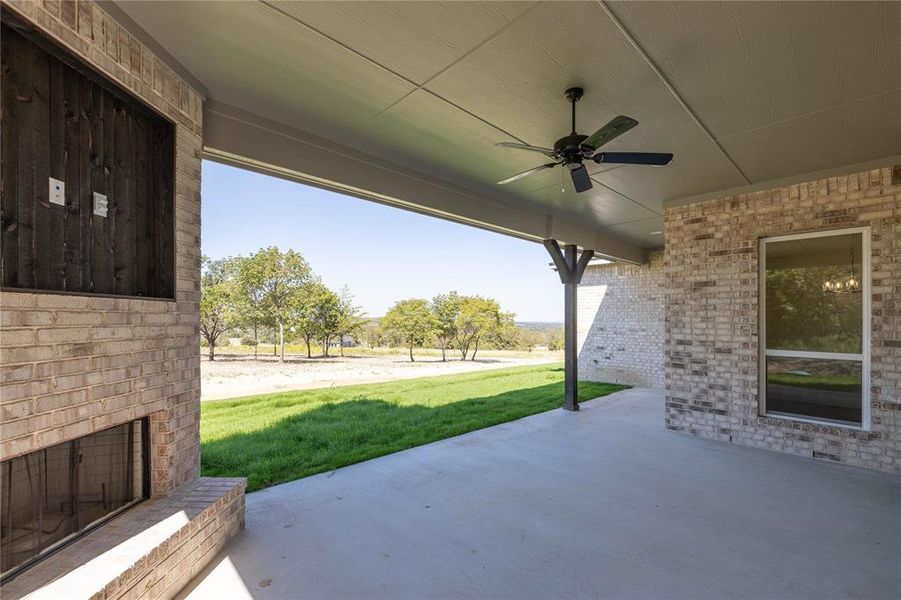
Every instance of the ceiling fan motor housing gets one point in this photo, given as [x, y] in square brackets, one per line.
[574, 94]
[569, 148]
[574, 148]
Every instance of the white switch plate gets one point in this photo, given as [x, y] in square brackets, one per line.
[100, 204]
[57, 192]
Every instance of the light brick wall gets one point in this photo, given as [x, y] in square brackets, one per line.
[71, 365]
[620, 323]
[153, 551]
[712, 308]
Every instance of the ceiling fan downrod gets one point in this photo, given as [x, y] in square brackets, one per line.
[574, 94]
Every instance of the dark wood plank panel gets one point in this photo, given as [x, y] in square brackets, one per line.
[28, 107]
[71, 124]
[155, 191]
[101, 250]
[123, 190]
[50, 219]
[153, 208]
[165, 200]
[143, 213]
[72, 169]
[9, 130]
[103, 242]
[86, 112]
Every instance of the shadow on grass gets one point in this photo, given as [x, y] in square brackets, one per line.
[344, 432]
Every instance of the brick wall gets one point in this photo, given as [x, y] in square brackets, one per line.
[71, 365]
[153, 551]
[620, 319]
[712, 306]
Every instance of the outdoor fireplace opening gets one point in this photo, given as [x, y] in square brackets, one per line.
[52, 496]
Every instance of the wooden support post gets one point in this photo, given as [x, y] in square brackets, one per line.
[570, 270]
[570, 325]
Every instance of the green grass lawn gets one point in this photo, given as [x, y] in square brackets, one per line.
[280, 437]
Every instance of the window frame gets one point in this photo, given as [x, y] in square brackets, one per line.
[863, 357]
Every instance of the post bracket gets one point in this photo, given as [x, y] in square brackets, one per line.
[570, 269]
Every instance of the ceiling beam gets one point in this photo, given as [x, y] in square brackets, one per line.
[237, 137]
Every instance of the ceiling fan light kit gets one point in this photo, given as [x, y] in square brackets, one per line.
[573, 149]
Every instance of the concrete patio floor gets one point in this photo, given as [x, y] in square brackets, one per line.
[601, 503]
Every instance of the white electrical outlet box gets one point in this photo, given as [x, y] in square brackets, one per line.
[57, 193]
[100, 204]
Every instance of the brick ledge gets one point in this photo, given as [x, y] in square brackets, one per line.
[152, 550]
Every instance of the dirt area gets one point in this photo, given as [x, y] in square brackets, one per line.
[231, 376]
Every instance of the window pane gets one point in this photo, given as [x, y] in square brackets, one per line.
[108, 471]
[800, 314]
[52, 494]
[22, 503]
[814, 387]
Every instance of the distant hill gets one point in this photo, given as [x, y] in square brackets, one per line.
[540, 326]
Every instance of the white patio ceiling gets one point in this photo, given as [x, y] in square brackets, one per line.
[413, 96]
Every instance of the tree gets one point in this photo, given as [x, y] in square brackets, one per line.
[446, 308]
[412, 320]
[477, 318]
[373, 334]
[801, 316]
[327, 316]
[524, 337]
[304, 318]
[248, 295]
[278, 278]
[555, 340]
[350, 317]
[504, 336]
[217, 313]
[391, 338]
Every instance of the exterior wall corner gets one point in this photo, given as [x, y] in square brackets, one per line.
[712, 304]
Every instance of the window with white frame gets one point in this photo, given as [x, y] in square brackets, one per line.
[814, 326]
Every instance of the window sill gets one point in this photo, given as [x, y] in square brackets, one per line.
[811, 421]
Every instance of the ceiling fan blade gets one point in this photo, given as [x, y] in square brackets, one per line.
[615, 128]
[546, 151]
[527, 173]
[581, 180]
[655, 159]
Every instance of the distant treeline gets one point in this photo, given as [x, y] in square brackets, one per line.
[275, 296]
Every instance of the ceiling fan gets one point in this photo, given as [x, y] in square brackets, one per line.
[574, 148]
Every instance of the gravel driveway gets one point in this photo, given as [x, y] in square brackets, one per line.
[232, 376]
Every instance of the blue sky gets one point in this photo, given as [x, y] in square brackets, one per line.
[382, 254]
